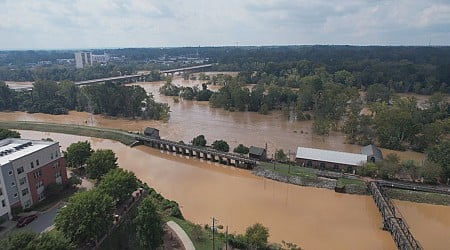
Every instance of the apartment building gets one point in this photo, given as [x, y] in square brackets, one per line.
[26, 168]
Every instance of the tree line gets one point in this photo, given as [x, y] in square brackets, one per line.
[58, 98]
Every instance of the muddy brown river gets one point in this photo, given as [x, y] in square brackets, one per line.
[310, 217]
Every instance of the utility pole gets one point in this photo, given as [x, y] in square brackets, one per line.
[273, 160]
[213, 229]
[226, 239]
[289, 161]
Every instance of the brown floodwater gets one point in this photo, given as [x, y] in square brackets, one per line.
[191, 118]
[430, 224]
[313, 218]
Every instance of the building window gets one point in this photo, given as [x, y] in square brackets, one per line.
[3, 203]
[10, 172]
[41, 196]
[31, 164]
[37, 174]
[20, 170]
[25, 192]
[15, 195]
[39, 184]
[56, 164]
[56, 154]
[13, 184]
[27, 204]
[37, 162]
[57, 174]
[51, 156]
[1, 191]
[23, 180]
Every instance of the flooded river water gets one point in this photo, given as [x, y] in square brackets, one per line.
[313, 218]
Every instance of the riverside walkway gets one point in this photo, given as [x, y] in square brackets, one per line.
[200, 152]
[392, 219]
[181, 234]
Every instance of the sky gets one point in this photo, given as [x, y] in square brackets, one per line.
[75, 24]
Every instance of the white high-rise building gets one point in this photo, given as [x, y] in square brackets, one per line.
[83, 59]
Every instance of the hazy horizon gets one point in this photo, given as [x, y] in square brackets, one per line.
[84, 24]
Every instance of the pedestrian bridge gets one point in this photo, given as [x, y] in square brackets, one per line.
[392, 219]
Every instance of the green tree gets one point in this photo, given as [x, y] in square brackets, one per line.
[241, 149]
[6, 133]
[86, 218]
[280, 155]
[431, 172]
[199, 141]
[256, 236]
[100, 163]
[53, 240]
[221, 145]
[7, 97]
[440, 154]
[321, 126]
[119, 184]
[18, 240]
[77, 154]
[378, 93]
[149, 225]
[395, 126]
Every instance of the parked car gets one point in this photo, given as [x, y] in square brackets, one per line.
[23, 221]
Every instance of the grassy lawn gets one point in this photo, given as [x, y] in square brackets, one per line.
[117, 135]
[206, 242]
[346, 181]
[293, 170]
[416, 196]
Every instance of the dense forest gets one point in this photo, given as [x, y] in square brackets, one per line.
[421, 70]
[341, 88]
[109, 99]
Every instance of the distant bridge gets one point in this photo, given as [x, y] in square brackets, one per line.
[143, 76]
[137, 77]
[186, 69]
[199, 152]
[129, 78]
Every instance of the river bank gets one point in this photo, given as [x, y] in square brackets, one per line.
[300, 176]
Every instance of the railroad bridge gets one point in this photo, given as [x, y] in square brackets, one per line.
[392, 219]
[199, 152]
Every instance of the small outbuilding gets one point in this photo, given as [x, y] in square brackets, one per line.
[257, 153]
[328, 159]
[373, 153]
[152, 132]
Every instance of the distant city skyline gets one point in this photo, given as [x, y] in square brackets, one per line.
[86, 24]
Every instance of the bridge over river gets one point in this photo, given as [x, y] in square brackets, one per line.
[392, 219]
[200, 152]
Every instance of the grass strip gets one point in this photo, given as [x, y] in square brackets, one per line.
[105, 133]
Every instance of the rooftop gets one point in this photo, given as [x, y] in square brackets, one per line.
[331, 156]
[13, 148]
[256, 151]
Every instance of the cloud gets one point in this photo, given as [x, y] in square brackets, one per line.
[154, 23]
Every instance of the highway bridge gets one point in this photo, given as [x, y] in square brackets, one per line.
[128, 78]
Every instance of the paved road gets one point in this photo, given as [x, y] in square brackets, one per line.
[44, 220]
